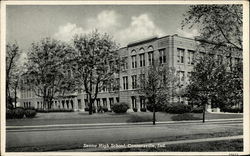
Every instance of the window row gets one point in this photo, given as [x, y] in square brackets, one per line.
[142, 59]
[125, 82]
[181, 56]
[142, 101]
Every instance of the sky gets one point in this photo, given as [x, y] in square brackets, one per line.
[26, 24]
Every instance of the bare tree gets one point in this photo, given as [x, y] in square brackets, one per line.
[158, 86]
[47, 73]
[12, 56]
[220, 26]
[98, 63]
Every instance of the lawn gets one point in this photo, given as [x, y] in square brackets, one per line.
[230, 146]
[84, 118]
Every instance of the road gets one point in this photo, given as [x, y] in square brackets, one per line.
[50, 135]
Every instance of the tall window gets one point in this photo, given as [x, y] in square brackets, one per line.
[142, 60]
[162, 58]
[133, 98]
[111, 102]
[104, 101]
[151, 58]
[189, 75]
[190, 57]
[79, 103]
[134, 81]
[134, 63]
[180, 55]
[125, 82]
[181, 75]
[142, 102]
[125, 64]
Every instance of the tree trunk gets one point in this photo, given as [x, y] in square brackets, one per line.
[15, 96]
[154, 115]
[90, 105]
[204, 112]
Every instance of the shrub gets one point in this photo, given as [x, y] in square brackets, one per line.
[197, 110]
[178, 108]
[18, 112]
[31, 108]
[120, 107]
[105, 109]
[143, 109]
[232, 110]
[184, 116]
[10, 106]
[158, 107]
[135, 109]
[9, 113]
[30, 113]
[99, 109]
[138, 118]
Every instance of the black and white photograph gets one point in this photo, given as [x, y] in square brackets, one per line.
[122, 78]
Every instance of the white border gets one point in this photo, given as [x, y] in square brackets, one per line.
[245, 73]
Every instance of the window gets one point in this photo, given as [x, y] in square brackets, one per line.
[189, 75]
[142, 102]
[151, 58]
[162, 58]
[79, 103]
[104, 101]
[134, 81]
[85, 101]
[190, 57]
[142, 77]
[98, 102]
[125, 82]
[134, 63]
[142, 60]
[111, 65]
[202, 55]
[133, 98]
[229, 61]
[125, 63]
[111, 102]
[180, 55]
[117, 99]
[181, 75]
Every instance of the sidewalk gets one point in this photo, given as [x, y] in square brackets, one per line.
[156, 144]
[121, 124]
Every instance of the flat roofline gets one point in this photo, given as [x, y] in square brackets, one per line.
[153, 38]
[142, 41]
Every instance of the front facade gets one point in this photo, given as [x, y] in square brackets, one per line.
[172, 50]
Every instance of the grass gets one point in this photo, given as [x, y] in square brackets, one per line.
[214, 146]
[139, 118]
[84, 118]
[185, 116]
[46, 148]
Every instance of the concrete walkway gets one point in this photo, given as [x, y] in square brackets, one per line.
[120, 124]
[104, 147]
